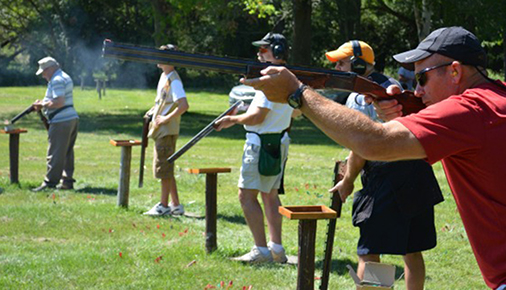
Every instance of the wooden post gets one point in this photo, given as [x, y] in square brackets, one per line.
[211, 211]
[307, 238]
[99, 89]
[14, 153]
[104, 82]
[124, 171]
[211, 203]
[307, 216]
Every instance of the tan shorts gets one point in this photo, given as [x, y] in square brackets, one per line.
[164, 148]
[250, 178]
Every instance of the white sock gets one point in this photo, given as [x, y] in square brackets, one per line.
[275, 247]
[264, 250]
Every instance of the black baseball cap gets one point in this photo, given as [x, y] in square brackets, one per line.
[454, 42]
[271, 38]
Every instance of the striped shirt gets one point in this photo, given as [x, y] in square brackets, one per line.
[60, 85]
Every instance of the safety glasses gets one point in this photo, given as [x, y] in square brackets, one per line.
[421, 77]
[262, 49]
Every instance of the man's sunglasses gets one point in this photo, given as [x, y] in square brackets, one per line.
[421, 77]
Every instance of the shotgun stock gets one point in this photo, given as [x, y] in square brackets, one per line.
[144, 145]
[336, 204]
[314, 77]
[43, 119]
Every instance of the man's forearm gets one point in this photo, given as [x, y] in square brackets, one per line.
[373, 141]
[55, 103]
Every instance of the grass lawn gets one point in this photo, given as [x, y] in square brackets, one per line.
[81, 239]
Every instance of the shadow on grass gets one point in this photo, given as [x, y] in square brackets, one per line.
[97, 190]
[129, 121]
[339, 267]
[336, 266]
[236, 219]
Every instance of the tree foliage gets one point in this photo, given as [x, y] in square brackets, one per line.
[73, 30]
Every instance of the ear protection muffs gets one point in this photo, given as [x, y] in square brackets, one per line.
[358, 65]
[279, 50]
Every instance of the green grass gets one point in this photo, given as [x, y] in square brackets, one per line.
[73, 239]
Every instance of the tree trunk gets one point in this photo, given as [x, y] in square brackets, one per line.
[301, 47]
[423, 19]
[348, 12]
[160, 12]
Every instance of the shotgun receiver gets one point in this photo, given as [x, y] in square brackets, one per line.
[314, 77]
[144, 144]
[203, 133]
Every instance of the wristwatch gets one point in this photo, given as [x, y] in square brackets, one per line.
[294, 99]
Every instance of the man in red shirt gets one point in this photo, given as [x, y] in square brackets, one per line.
[464, 126]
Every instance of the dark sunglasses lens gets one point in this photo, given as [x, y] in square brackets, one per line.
[421, 79]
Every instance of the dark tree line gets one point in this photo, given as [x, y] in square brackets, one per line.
[73, 30]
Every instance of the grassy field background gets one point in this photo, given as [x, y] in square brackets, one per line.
[80, 239]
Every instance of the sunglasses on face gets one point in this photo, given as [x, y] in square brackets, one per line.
[263, 49]
[421, 77]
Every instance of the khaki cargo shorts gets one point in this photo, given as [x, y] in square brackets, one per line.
[164, 147]
[250, 178]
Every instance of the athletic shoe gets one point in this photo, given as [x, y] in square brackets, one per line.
[279, 257]
[254, 257]
[176, 210]
[158, 210]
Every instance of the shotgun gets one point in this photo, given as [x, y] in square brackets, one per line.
[314, 77]
[25, 112]
[336, 204]
[203, 133]
[144, 144]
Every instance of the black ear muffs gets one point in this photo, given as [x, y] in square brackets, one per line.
[278, 50]
[358, 65]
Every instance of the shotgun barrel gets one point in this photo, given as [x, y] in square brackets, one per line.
[22, 114]
[335, 204]
[203, 133]
[314, 77]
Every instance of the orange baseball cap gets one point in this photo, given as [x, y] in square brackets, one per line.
[346, 50]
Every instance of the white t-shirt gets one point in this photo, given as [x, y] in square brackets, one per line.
[277, 120]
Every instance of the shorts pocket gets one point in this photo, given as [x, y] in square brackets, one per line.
[362, 207]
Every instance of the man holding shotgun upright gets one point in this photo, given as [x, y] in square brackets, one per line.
[170, 104]
[464, 126]
[266, 140]
[395, 208]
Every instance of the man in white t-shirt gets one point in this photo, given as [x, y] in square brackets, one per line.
[263, 117]
[170, 104]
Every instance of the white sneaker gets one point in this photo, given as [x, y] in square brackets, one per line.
[254, 257]
[176, 210]
[279, 257]
[158, 210]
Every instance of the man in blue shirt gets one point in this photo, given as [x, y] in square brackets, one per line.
[58, 106]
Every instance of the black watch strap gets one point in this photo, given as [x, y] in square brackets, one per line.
[294, 100]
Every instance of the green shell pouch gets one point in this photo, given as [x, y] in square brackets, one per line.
[269, 163]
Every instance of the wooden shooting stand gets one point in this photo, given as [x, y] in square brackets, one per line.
[14, 152]
[124, 170]
[307, 216]
[211, 204]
